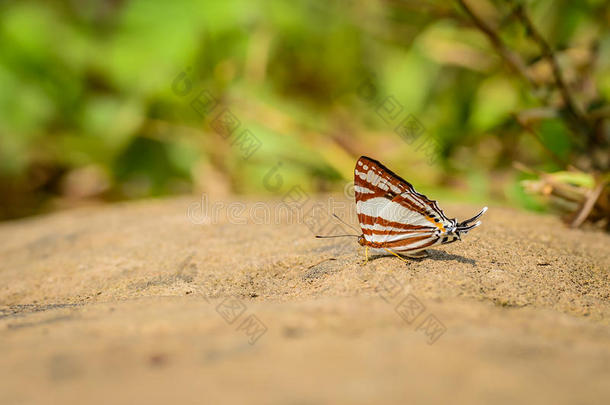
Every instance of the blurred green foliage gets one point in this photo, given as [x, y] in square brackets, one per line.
[87, 109]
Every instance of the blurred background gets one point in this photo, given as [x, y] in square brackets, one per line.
[481, 101]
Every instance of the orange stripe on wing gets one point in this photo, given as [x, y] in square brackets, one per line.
[402, 242]
[369, 220]
[425, 245]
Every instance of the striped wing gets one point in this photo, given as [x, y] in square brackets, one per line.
[400, 211]
[391, 213]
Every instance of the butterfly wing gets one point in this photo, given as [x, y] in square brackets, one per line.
[424, 232]
[391, 212]
[373, 191]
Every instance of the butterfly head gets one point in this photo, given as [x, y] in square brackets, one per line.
[451, 230]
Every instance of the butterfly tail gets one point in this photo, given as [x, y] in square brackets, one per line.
[465, 228]
[466, 223]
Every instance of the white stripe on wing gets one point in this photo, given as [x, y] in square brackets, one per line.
[395, 212]
[363, 190]
[394, 238]
[372, 207]
[423, 244]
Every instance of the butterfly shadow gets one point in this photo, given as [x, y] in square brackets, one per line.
[432, 255]
[444, 256]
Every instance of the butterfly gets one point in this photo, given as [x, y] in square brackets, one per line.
[396, 218]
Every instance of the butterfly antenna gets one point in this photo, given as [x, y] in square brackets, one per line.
[345, 223]
[339, 236]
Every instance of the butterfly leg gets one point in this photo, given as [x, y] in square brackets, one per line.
[397, 255]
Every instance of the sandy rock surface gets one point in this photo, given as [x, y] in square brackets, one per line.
[148, 302]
